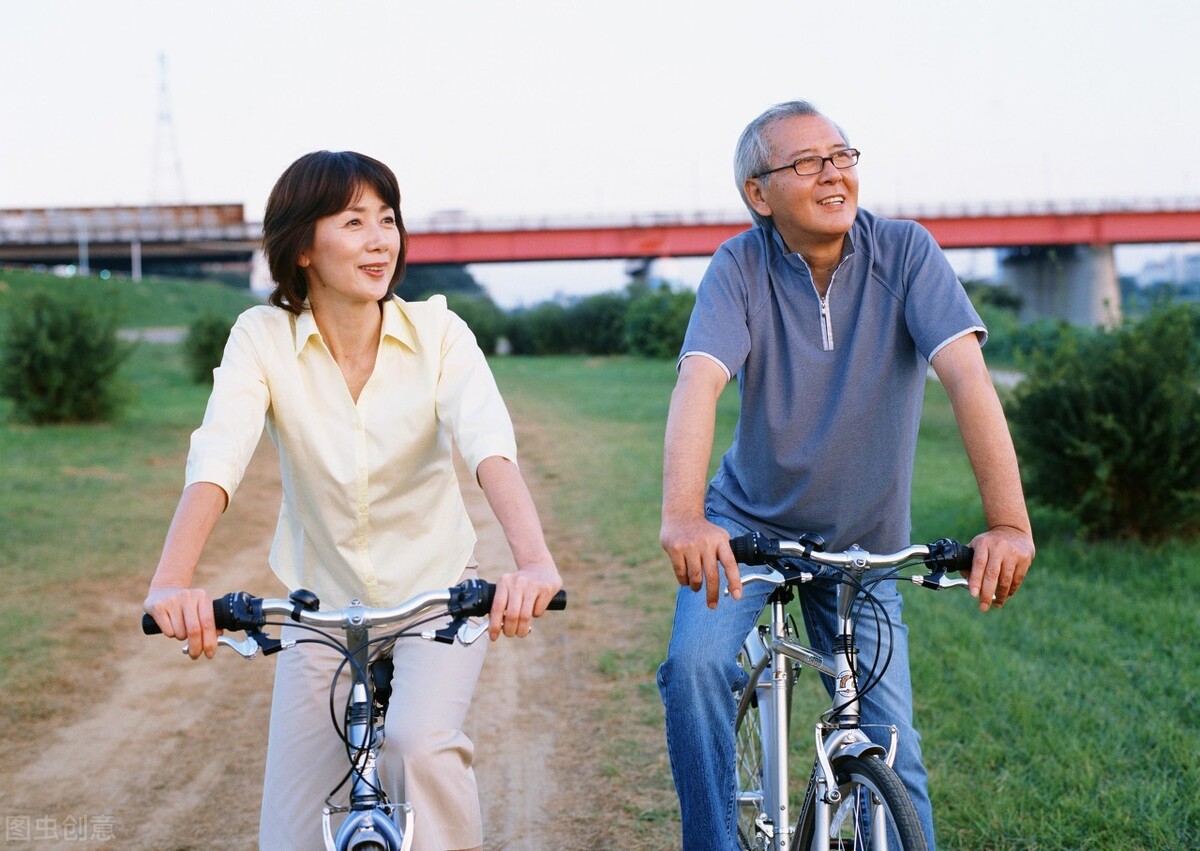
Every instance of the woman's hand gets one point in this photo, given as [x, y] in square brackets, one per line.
[185, 614]
[522, 596]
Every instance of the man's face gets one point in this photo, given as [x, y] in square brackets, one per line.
[807, 209]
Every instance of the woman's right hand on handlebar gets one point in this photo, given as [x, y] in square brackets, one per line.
[699, 550]
[185, 614]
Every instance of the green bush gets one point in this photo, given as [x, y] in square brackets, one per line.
[205, 344]
[656, 321]
[539, 330]
[483, 317]
[1108, 428]
[59, 360]
[596, 324]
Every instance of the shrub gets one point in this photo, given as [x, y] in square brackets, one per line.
[539, 330]
[656, 322]
[1108, 428]
[205, 344]
[59, 360]
[596, 324]
[482, 316]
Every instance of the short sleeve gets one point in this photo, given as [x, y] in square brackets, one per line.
[469, 402]
[937, 309]
[719, 325]
[222, 446]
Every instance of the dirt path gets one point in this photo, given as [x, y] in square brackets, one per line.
[185, 741]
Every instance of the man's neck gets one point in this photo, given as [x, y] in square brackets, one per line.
[822, 257]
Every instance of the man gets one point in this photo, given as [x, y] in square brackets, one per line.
[828, 316]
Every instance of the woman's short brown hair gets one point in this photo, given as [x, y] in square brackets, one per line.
[317, 185]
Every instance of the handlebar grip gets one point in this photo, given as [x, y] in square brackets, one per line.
[748, 549]
[238, 610]
[474, 597]
[950, 555]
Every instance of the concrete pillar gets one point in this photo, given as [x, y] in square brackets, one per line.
[1077, 283]
[135, 260]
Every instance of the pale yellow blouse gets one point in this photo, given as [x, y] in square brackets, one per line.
[371, 505]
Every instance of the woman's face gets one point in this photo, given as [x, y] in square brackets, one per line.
[354, 253]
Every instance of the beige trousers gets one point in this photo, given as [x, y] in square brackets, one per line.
[425, 760]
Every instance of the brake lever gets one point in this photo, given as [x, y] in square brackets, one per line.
[469, 632]
[466, 633]
[771, 577]
[938, 581]
[248, 647]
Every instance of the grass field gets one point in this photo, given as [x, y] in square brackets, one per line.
[1068, 720]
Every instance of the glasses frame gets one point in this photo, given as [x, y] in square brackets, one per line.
[829, 159]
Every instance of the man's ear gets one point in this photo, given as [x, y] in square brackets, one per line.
[753, 188]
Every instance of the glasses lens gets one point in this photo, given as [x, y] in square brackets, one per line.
[846, 158]
[809, 165]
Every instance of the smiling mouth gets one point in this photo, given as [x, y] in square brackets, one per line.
[833, 201]
[380, 268]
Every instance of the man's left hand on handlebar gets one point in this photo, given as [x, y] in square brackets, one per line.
[1002, 558]
[520, 597]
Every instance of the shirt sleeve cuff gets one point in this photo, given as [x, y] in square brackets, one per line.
[712, 358]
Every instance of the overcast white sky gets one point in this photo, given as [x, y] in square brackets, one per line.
[544, 108]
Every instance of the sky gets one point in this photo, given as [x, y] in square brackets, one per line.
[545, 109]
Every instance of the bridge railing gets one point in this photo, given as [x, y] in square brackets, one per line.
[182, 222]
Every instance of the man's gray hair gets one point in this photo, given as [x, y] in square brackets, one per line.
[753, 155]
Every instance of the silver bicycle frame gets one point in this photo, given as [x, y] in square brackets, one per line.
[832, 739]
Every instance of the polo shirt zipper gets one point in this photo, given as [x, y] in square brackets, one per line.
[826, 322]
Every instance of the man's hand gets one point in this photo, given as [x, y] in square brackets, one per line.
[698, 550]
[1002, 558]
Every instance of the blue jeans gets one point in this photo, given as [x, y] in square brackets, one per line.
[700, 677]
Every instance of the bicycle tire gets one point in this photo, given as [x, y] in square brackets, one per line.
[862, 779]
[749, 748]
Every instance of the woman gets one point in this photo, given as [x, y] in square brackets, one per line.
[365, 396]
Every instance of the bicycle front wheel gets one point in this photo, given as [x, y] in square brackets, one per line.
[874, 812]
[751, 800]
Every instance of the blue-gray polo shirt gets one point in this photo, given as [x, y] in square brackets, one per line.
[831, 390]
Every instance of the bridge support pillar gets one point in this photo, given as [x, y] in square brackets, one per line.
[1077, 283]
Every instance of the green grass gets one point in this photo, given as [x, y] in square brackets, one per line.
[85, 505]
[1070, 719]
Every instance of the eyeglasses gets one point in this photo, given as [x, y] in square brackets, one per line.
[815, 165]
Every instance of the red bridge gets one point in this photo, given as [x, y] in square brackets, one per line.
[1060, 256]
[460, 239]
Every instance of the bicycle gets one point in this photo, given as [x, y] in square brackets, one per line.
[372, 823]
[854, 799]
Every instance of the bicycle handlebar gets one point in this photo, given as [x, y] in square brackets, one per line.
[241, 611]
[943, 554]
